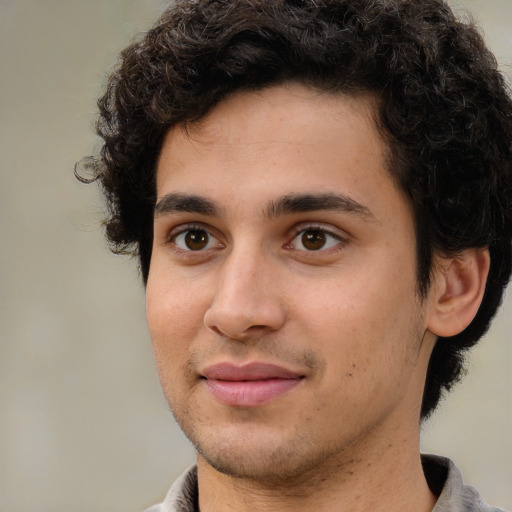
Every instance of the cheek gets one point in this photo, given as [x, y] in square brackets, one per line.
[175, 315]
[363, 321]
[173, 321]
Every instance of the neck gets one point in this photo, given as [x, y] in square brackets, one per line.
[387, 476]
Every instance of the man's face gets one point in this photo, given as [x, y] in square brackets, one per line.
[281, 298]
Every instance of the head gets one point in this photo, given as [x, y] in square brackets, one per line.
[440, 104]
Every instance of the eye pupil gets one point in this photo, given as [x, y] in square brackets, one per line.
[313, 239]
[196, 239]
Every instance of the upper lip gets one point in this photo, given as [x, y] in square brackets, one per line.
[249, 371]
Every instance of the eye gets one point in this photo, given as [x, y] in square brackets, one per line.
[194, 239]
[314, 239]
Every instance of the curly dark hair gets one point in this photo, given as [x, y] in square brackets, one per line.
[444, 109]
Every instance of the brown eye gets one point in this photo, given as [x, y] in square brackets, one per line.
[196, 239]
[313, 239]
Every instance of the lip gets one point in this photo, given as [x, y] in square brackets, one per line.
[249, 385]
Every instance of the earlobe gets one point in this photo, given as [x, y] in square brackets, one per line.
[457, 291]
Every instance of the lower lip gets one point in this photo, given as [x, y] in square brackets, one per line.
[250, 393]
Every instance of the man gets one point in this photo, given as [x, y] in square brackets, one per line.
[319, 195]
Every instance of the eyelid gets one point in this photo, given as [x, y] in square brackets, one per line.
[327, 228]
[182, 228]
[331, 231]
[340, 235]
[191, 226]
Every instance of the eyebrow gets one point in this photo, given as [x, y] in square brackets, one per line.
[298, 203]
[175, 203]
[285, 205]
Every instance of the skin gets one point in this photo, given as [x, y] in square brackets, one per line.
[344, 316]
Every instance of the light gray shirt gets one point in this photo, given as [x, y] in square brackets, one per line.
[443, 477]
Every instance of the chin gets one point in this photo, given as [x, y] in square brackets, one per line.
[261, 456]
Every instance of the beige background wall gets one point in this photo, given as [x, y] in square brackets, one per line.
[83, 426]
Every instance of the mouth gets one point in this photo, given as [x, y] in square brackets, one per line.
[249, 385]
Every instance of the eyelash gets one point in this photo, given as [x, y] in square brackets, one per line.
[297, 231]
[328, 233]
[188, 228]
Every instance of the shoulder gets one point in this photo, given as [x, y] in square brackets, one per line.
[182, 496]
[445, 480]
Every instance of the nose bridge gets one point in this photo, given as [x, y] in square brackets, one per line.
[241, 271]
[246, 296]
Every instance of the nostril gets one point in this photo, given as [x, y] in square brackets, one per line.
[238, 320]
[216, 330]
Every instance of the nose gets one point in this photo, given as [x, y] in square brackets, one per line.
[247, 302]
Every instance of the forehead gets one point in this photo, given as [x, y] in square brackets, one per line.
[282, 104]
[283, 117]
[281, 140]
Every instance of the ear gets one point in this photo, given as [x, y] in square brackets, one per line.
[457, 290]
